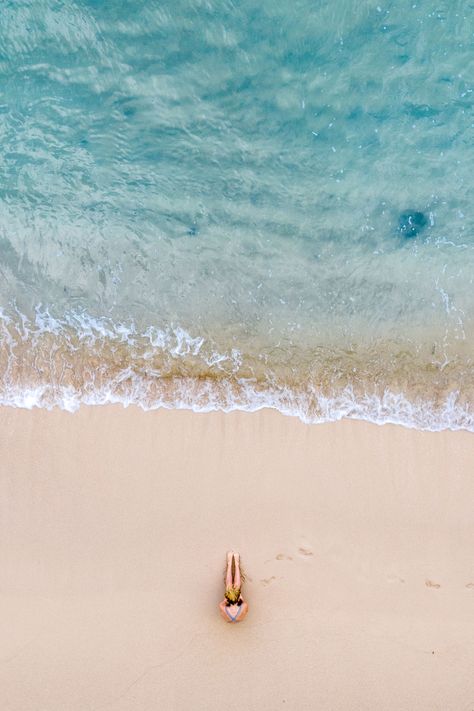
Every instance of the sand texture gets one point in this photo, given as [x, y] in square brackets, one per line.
[357, 541]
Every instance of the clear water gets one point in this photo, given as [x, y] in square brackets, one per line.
[201, 200]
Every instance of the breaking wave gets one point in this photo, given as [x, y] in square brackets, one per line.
[48, 362]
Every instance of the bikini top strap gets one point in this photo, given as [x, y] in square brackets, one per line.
[232, 617]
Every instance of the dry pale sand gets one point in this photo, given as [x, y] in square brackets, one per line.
[357, 541]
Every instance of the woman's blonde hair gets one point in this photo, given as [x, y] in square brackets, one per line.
[232, 594]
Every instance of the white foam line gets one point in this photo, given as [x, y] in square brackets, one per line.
[130, 388]
[392, 408]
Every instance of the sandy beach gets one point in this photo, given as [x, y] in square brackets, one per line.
[357, 542]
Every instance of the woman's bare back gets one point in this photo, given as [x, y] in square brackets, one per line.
[233, 613]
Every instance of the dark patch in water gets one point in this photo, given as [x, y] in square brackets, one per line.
[411, 222]
[192, 231]
[420, 110]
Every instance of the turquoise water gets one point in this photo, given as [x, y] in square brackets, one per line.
[224, 205]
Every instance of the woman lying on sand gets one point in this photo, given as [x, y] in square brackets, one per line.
[233, 608]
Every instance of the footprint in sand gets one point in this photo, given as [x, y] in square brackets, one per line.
[305, 551]
[470, 585]
[431, 584]
[279, 556]
[268, 581]
[395, 579]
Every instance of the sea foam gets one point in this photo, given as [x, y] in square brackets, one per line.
[48, 362]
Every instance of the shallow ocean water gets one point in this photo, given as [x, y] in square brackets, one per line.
[210, 204]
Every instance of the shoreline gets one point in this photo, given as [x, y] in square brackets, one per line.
[356, 540]
[80, 360]
[201, 396]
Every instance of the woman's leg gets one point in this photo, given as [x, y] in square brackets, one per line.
[237, 581]
[228, 577]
